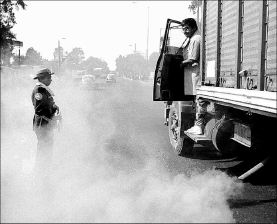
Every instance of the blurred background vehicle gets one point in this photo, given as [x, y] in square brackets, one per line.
[111, 78]
[88, 82]
[77, 76]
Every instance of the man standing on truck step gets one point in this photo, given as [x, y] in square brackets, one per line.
[45, 118]
[191, 54]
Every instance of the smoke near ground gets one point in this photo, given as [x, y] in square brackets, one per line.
[93, 178]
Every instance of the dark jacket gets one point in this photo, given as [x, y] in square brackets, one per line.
[44, 106]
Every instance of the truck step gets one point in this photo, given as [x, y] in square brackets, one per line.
[201, 139]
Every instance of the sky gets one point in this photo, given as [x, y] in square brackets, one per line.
[103, 29]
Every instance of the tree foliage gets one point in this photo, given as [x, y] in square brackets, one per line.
[153, 61]
[133, 66]
[194, 5]
[92, 62]
[7, 22]
[32, 57]
[120, 64]
[16, 59]
[6, 54]
[56, 53]
[75, 58]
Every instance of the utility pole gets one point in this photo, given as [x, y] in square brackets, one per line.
[147, 61]
[147, 34]
[18, 44]
[161, 40]
[59, 56]
[19, 55]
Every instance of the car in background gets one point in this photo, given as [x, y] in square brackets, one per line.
[111, 78]
[88, 82]
[77, 76]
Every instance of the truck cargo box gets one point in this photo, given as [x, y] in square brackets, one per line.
[239, 44]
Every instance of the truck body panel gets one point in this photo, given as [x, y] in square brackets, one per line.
[237, 36]
[238, 77]
[260, 102]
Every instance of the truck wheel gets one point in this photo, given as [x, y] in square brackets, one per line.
[181, 144]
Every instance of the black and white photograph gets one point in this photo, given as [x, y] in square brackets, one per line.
[138, 111]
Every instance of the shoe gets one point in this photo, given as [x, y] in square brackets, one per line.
[196, 130]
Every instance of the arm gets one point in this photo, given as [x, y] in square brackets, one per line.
[193, 53]
[189, 62]
[45, 104]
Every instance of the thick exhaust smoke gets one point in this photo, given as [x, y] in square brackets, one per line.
[92, 177]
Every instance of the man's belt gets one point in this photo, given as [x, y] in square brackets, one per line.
[43, 117]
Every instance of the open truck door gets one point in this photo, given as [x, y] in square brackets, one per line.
[169, 75]
[169, 87]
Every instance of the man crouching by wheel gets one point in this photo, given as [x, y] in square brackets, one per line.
[46, 115]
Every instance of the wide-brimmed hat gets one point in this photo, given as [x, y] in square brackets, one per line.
[43, 73]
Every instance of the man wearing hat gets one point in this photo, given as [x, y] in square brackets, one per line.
[44, 120]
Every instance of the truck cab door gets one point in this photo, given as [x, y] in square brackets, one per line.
[169, 76]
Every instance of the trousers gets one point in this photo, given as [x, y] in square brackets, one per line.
[201, 110]
[45, 142]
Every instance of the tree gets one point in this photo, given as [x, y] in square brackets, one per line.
[32, 57]
[92, 62]
[51, 64]
[75, 58]
[137, 65]
[57, 54]
[153, 61]
[133, 66]
[194, 4]
[7, 21]
[16, 59]
[120, 65]
[6, 55]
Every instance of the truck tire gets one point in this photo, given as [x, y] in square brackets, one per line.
[181, 144]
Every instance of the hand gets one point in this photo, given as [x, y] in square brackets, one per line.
[182, 65]
[58, 117]
[57, 110]
[158, 80]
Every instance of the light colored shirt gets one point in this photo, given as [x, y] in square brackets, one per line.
[192, 47]
[191, 73]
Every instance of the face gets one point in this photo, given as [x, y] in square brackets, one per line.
[46, 80]
[188, 31]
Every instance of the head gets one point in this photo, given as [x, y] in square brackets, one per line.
[44, 76]
[189, 27]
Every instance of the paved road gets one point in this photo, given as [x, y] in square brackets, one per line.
[113, 163]
[140, 134]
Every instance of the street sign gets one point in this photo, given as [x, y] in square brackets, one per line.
[17, 43]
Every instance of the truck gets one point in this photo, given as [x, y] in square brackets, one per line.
[238, 79]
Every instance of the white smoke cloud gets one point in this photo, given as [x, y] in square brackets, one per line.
[92, 179]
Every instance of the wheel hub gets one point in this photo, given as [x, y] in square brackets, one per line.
[174, 126]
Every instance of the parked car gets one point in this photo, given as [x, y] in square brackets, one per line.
[111, 78]
[88, 82]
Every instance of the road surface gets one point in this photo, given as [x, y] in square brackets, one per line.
[113, 163]
[141, 134]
